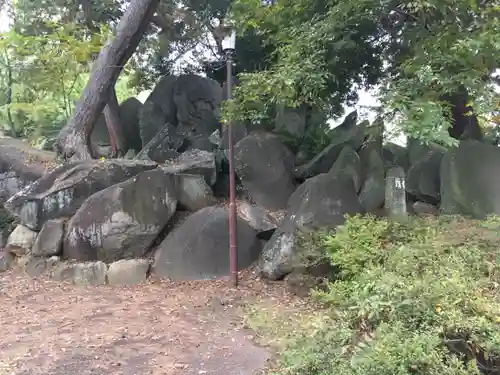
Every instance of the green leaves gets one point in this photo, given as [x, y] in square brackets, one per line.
[412, 298]
[430, 48]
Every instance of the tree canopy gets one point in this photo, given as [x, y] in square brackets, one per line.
[422, 54]
[433, 62]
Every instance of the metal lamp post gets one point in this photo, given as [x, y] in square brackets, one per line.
[228, 46]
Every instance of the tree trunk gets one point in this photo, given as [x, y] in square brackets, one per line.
[10, 84]
[114, 125]
[465, 124]
[73, 140]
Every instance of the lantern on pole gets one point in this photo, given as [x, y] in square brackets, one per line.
[229, 49]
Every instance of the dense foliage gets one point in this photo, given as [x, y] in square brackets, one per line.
[419, 52]
[414, 298]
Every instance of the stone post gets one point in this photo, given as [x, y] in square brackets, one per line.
[395, 194]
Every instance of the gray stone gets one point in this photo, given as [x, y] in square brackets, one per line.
[193, 193]
[163, 146]
[61, 192]
[6, 260]
[346, 134]
[423, 209]
[7, 225]
[49, 240]
[21, 241]
[195, 162]
[128, 272]
[256, 217]
[348, 163]
[372, 193]
[20, 165]
[123, 220]
[395, 156]
[158, 109]
[320, 202]
[91, 273]
[36, 266]
[395, 194]
[129, 117]
[199, 247]
[418, 150]
[189, 103]
[470, 184]
[291, 120]
[423, 178]
[264, 166]
[63, 272]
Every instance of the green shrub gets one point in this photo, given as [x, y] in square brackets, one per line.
[413, 298]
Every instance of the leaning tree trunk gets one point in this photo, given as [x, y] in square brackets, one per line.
[114, 125]
[465, 124]
[73, 140]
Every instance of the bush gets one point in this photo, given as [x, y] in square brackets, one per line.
[413, 298]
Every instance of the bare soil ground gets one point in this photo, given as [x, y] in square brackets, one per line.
[157, 328]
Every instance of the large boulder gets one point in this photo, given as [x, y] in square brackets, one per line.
[423, 178]
[50, 239]
[193, 192]
[395, 155]
[418, 151]
[372, 194]
[61, 192]
[20, 165]
[123, 220]
[205, 255]
[470, 184]
[129, 117]
[292, 121]
[199, 162]
[7, 225]
[348, 163]
[20, 241]
[6, 260]
[264, 166]
[320, 202]
[164, 146]
[346, 134]
[158, 109]
[189, 103]
[128, 272]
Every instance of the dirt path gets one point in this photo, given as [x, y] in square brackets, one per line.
[157, 328]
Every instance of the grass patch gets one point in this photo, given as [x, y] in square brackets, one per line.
[413, 298]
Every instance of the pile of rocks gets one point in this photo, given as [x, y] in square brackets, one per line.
[163, 212]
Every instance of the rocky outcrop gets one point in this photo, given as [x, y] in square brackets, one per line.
[49, 241]
[469, 185]
[264, 166]
[349, 164]
[372, 194]
[20, 241]
[123, 220]
[291, 120]
[198, 162]
[423, 178]
[320, 202]
[193, 192]
[62, 191]
[346, 134]
[129, 118]
[20, 165]
[199, 247]
[189, 104]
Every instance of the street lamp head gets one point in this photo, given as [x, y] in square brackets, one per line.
[229, 41]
